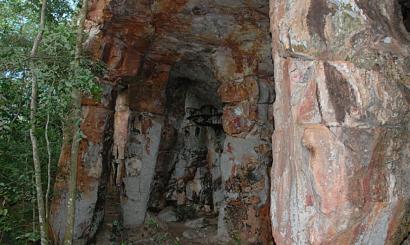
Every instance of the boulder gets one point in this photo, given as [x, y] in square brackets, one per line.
[168, 215]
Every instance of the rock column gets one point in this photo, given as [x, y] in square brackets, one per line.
[93, 168]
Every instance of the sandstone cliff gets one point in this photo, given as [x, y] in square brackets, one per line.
[196, 89]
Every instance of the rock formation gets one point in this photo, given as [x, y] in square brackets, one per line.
[188, 111]
[341, 145]
[190, 94]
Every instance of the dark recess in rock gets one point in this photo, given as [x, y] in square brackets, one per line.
[405, 12]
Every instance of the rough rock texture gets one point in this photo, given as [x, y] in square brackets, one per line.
[341, 144]
[186, 120]
[192, 86]
[141, 156]
[93, 169]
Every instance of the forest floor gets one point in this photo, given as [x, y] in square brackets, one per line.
[195, 231]
[156, 232]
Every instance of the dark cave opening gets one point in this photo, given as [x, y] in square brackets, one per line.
[187, 173]
[405, 12]
[214, 153]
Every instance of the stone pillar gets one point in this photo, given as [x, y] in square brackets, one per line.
[92, 176]
[146, 120]
[140, 160]
[341, 143]
[245, 160]
[121, 121]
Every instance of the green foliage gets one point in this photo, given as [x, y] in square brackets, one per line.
[117, 227]
[236, 239]
[29, 236]
[56, 77]
[152, 224]
[158, 233]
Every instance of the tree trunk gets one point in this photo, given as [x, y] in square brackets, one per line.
[76, 119]
[72, 186]
[48, 164]
[33, 111]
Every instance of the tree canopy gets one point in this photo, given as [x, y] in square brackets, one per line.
[19, 23]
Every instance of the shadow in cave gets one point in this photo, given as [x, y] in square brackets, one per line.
[405, 11]
[207, 183]
[187, 182]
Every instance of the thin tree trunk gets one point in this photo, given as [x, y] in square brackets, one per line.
[33, 137]
[72, 188]
[34, 208]
[48, 164]
[76, 119]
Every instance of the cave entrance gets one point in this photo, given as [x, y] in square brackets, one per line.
[214, 155]
[191, 85]
[187, 182]
[193, 118]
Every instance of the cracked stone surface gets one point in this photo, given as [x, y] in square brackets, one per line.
[191, 92]
[281, 121]
[341, 143]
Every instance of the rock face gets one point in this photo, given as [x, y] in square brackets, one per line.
[186, 120]
[191, 92]
[93, 170]
[341, 144]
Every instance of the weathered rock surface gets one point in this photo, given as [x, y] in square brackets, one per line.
[168, 215]
[341, 145]
[189, 79]
[94, 155]
[186, 120]
[196, 223]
